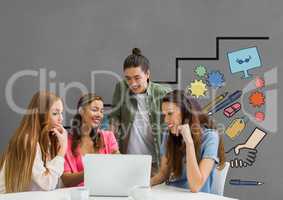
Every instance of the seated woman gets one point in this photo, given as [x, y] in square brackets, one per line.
[34, 158]
[86, 137]
[192, 148]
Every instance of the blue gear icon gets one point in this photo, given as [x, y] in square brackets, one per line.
[215, 79]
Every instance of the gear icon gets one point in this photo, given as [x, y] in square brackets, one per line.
[259, 116]
[197, 88]
[200, 71]
[259, 82]
[215, 79]
[257, 99]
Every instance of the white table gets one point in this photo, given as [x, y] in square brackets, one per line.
[164, 192]
[161, 192]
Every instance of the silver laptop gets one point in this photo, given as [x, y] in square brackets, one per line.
[116, 175]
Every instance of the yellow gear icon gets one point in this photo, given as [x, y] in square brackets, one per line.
[197, 88]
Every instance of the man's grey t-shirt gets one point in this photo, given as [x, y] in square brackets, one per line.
[141, 139]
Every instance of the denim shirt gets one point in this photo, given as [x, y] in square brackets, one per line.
[209, 149]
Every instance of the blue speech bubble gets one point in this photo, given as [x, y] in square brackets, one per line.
[244, 60]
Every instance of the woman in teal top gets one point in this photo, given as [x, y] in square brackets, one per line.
[192, 149]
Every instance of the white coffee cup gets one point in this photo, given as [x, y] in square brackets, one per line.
[81, 193]
[141, 193]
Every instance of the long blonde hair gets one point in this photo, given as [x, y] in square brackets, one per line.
[17, 160]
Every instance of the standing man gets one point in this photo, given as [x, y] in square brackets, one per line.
[136, 116]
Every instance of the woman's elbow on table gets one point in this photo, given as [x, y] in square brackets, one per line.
[196, 187]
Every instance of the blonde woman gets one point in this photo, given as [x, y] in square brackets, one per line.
[34, 158]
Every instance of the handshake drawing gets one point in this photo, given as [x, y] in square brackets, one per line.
[241, 156]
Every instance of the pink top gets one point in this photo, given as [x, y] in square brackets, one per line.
[74, 164]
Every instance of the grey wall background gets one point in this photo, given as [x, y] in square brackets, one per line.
[74, 38]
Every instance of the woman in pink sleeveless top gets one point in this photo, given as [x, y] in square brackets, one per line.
[86, 138]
